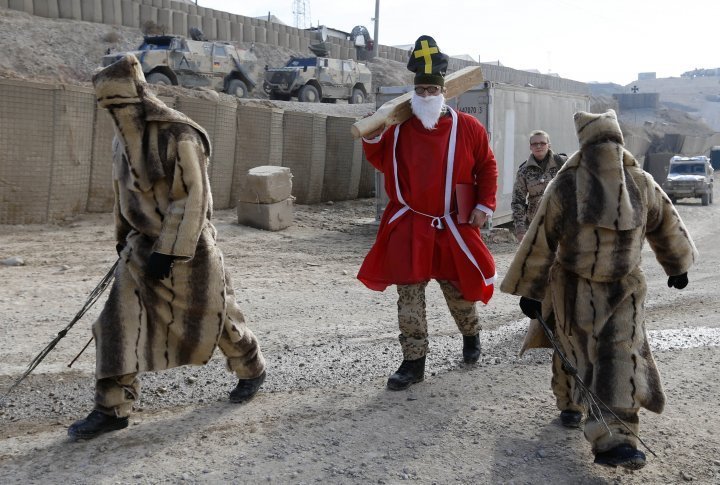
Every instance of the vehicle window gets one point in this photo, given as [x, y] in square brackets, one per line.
[219, 51]
[687, 169]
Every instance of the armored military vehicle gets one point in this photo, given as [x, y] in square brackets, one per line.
[315, 79]
[175, 60]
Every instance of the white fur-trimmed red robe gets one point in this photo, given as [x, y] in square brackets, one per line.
[419, 238]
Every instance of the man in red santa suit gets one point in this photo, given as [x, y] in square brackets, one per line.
[423, 161]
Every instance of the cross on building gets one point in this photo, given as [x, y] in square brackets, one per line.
[426, 51]
[635, 89]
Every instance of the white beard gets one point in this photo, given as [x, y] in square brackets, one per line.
[428, 109]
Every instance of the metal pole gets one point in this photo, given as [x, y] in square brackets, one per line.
[376, 48]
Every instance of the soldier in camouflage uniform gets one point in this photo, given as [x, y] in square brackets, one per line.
[532, 177]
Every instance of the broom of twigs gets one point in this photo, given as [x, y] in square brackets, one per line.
[595, 405]
[92, 298]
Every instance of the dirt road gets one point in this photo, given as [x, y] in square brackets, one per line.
[323, 415]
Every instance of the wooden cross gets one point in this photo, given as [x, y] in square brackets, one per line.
[426, 51]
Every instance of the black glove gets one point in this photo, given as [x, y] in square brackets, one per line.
[531, 308]
[159, 265]
[680, 281]
[119, 247]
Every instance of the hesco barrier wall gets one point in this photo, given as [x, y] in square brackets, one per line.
[56, 158]
[343, 160]
[46, 140]
[304, 138]
[261, 143]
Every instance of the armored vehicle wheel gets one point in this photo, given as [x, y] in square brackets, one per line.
[358, 97]
[705, 199]
[237, 88]
[308, 94]
[159, 78]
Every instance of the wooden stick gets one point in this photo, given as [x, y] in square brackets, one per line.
[398, 109]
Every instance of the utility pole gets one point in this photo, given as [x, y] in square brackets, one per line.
[376, 48]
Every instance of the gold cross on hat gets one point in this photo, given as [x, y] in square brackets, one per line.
[426, 51]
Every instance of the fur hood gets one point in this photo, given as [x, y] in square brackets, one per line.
[121, 89]
[606, 196]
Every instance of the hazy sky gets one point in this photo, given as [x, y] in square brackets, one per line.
[604, 41]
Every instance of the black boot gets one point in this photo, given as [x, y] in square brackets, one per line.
[410, 372]
[571, 419]
[471, 349]
[623, 455]
[95, 424]
[246, 389]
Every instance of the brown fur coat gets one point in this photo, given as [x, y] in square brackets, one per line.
[164, 205]
[585, 243]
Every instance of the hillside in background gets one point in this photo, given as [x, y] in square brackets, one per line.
[67, 51]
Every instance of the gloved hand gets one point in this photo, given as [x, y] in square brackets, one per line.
[119, 247]
[159, 265]
[679, 281]
[531, 308]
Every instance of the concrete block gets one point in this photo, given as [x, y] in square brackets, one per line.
[21, 6]
[46, 8]
[194, 21]
[260, 35]
[236, 31]
[179, 23]
[148, 14]
[165, 20]
[69, 9]
[248, 33]
[271, 217]
[209, 27]
[91, 10]
[130, 13]
[112, 12]
[223, 29]
[266, 184]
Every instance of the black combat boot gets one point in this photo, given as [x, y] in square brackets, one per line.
[471, 349]
[95, 424]
[246, 389]
[571, 419]
[624, 455]
[410, 372]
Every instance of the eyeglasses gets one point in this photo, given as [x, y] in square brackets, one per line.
[427, 89]
[538, 144]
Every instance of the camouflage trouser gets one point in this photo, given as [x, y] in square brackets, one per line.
[116, 395]
[413, 321]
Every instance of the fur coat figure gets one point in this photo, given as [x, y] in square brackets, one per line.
[584, 246]
[163, 205]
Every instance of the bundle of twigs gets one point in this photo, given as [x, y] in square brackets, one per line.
[92, 298]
